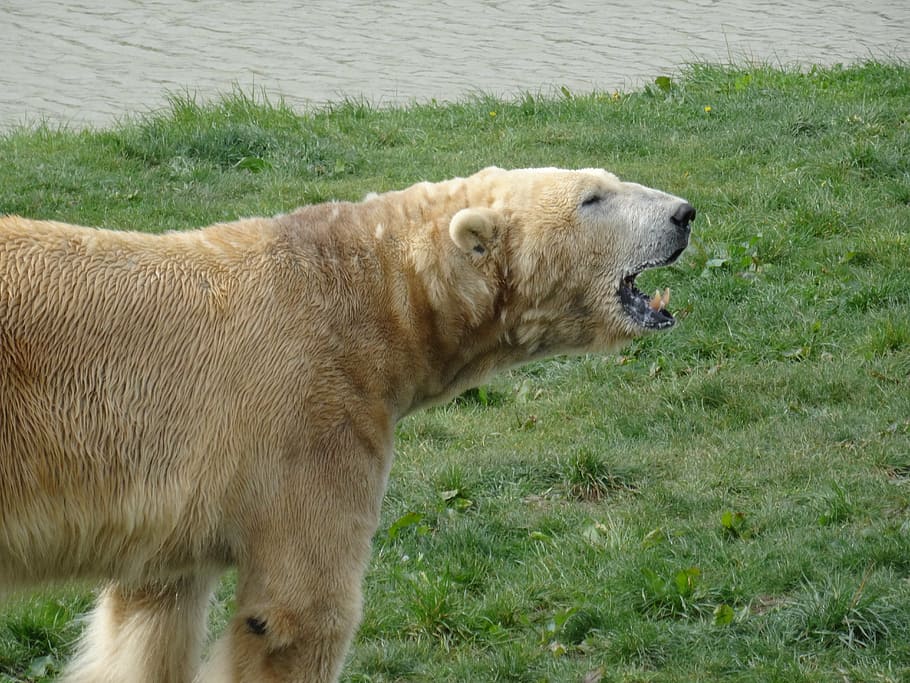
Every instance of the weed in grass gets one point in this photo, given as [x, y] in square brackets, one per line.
[836, 506]
[735, 525]
[838, 611]
[888, 336]
[436, 609]
[588, 476]
[407, 521]
[581, 624]
[680, 595]
[741, 258]
[641, 644]
[483, 396]
[453, 490]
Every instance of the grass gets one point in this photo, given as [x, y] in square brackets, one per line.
[728, 501]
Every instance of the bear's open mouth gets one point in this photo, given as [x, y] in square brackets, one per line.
[650, 312]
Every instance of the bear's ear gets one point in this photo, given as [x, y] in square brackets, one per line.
[472, 229]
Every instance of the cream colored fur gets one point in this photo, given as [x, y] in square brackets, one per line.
[177, 404]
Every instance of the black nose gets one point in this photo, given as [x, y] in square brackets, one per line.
[684, 215]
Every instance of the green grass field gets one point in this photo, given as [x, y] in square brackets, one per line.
[726, 501]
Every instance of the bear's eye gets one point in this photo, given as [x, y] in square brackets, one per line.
[591, 200]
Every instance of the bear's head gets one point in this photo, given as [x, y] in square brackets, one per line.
[560, 250]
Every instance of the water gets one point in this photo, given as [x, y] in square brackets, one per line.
[89, 62]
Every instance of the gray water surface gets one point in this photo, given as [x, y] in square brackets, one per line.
[85, 62]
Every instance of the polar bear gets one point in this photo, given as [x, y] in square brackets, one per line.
[172, 405]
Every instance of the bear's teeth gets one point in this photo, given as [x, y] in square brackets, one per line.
[660, 301]
[656, 301]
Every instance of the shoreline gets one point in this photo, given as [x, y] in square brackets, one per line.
[206, 97]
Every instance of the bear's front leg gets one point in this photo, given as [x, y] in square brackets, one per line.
[275, 643]
[299, 579]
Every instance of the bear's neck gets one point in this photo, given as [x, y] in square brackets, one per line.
[429, 325]
[457, 329]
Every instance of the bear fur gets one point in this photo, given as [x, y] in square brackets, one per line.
[173, 405]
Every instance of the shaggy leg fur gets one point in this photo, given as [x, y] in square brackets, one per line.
[298, 593]
[150, 634]
[297, 611]
[307, 645]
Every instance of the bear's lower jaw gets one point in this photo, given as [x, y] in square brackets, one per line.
[641, 309]
[644, 312]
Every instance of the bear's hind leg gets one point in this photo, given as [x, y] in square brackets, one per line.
[147, 634]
